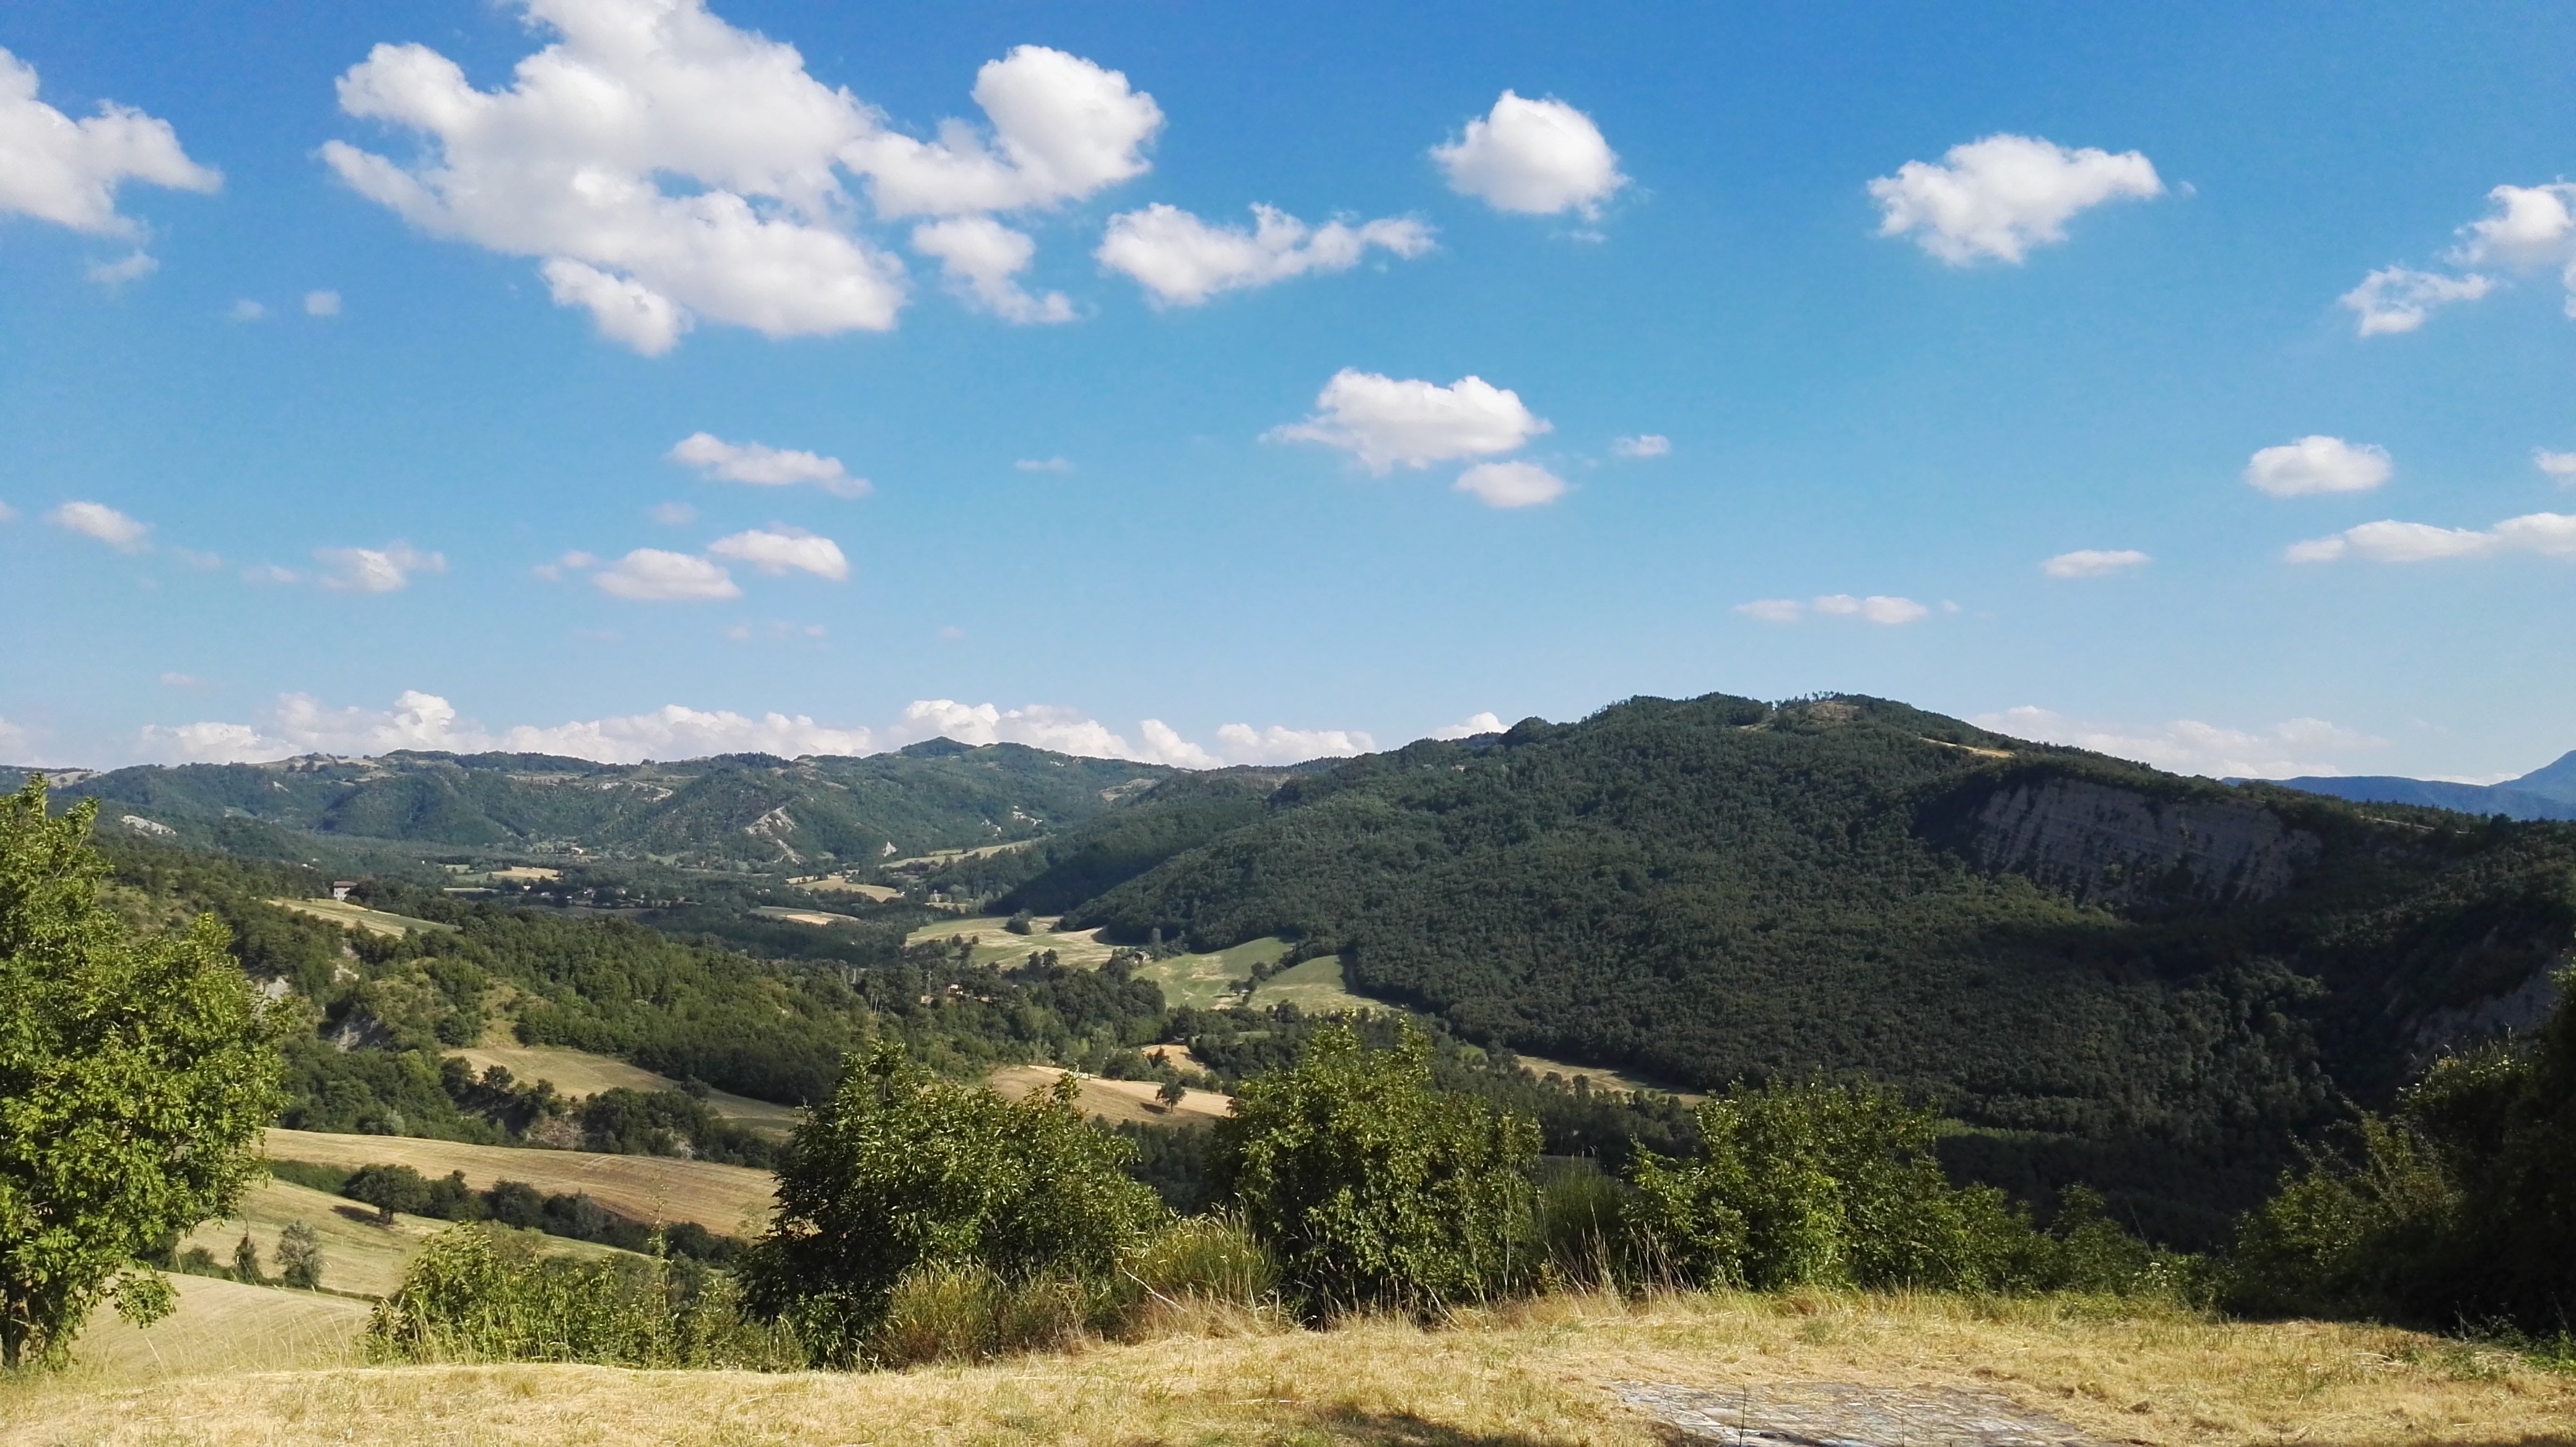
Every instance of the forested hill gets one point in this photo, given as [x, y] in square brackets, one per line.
[739, 809]
[2055, 943]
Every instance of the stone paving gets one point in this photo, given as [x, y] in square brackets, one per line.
[1832, 1414]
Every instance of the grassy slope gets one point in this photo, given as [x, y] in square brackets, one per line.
[1119, 1102]
[373, 921]
[1525, 1377]
[995, 945]
[579, 1073]
[220, 1327]
[729, 1200]
[357, 1254]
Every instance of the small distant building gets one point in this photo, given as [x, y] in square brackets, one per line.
[340, 889]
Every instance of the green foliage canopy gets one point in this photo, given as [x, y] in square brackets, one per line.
[900, 1169]
[1374, 1188]
[135, 1076]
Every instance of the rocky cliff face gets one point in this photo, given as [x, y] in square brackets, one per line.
[2114, 846]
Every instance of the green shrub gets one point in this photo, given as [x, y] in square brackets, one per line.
[1373, 1188]
[1583, 1228]
[950, 1312]
[478, 1293]
[1207, 1259]
[900, 1169]
[1825, 1185]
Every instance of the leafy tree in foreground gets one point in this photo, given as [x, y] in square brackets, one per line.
[135, 1075]
[1829, 1185]
[1373, 1187]
[902, 1170]
[2459, 1207]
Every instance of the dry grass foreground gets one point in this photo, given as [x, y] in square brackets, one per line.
[728, 1200]
[1528, 1376]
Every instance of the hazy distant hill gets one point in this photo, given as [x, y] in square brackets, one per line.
[2546, 793]
[2089, 953]
[740, 808]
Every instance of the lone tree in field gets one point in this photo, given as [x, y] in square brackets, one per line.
[299, 1256]
[135, 1075]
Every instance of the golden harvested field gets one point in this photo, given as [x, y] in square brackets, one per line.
[578, 1073]
[220, 1327]
[526, 873]
[1537, 1375]
[835, 884]
[818, 918]
[995, 945]
[728, 1200]
[357, 1254]
[1115, 1101]
[1604, 1080]
[373, 921]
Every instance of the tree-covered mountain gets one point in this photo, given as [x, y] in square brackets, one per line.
[738, 809]
[2110, 971]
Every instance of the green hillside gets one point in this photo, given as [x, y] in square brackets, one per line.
[741, 810]
[2151, 981]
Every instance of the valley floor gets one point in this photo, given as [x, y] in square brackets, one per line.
[1548, 1372]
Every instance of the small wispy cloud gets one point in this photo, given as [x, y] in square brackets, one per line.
[1043, 464]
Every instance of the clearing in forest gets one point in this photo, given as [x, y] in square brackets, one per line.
[998, 947]
[351, 916]
[1119, 1102]
[579, 1074]
[728, 1200]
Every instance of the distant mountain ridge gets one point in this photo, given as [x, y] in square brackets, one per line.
[736, 810]
[2544, 793]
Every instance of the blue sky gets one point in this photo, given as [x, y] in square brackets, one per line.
[1804, 340]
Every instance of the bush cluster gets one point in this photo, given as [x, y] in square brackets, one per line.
[2459, 1207]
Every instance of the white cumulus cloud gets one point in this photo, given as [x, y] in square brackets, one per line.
[376, 570]
[2548, 534]
[321, 303]
[1877, 608]
[2530, 228]
[983, 259]
[301, 724]
[1536, 157]
[2094, 562]
[1650, 444]
[57, 169]
[133, 266]
[2317, 464]
[2398, 299]
[664, 167]
[2300, 746]
[1510, 484]
[98, 520]
[1043, 464]
[2003, 195]
[1062, 129]
[2560, 465]
[1244, 744]
[1481, 723]
[1387, 423]
[761, 465]
[780, 549]
[652, 575]
[1182, 260]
